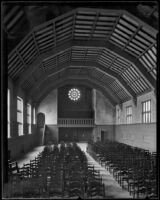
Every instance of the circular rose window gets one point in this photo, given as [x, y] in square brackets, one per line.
[74, 94]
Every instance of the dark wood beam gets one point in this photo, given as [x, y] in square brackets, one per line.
[120, 52]
[134, 101]
[44, 77]
[35, 42]
[82, 43]
[86, 78]
[114, 75]
[63, 81]
[21, 59]
[54, 35]
[41, 58]
[95, 81]
[94, 25]
[73, 25]
[123, 84]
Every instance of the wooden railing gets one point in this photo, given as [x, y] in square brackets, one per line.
[71, 121]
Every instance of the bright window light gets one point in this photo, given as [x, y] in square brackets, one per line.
[74, 94]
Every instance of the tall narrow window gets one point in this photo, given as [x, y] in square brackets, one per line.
[29, 118]
[20, 115]
[129, 114]
[8, 109]
[146, 111]
[34, 116]
[118, 116]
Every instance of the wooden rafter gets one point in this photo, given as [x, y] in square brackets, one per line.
[127, 89]
[65, 26]
[69, 79]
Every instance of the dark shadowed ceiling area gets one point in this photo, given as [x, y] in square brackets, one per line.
[112, 47]
[20, 18]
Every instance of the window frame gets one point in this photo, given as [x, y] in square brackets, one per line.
[146, 114]
[20, 123]
[129, 114]
[29, 118]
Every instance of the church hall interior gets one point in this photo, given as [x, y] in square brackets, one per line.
[79, 102]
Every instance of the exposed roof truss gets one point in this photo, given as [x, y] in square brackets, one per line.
[113, 41]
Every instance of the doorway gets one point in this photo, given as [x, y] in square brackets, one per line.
[76, 134]
[102, 136]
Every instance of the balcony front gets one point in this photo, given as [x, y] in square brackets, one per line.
[72, 122]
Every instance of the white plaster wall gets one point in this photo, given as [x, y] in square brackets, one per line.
[104, 112]
[108, 129]
[137, 109]
[54, 132]
[48, 106]
[139, 135]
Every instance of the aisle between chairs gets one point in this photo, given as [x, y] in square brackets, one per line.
[112, 188]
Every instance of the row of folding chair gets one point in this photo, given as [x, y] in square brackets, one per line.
[56, 172]
[129, 165]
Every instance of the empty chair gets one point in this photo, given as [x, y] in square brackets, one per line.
[13, 168]
[96, 189]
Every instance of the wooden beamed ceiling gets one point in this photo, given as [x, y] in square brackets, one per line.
[80, 81]
[101, 44]
[95, 71]
[109, 84]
